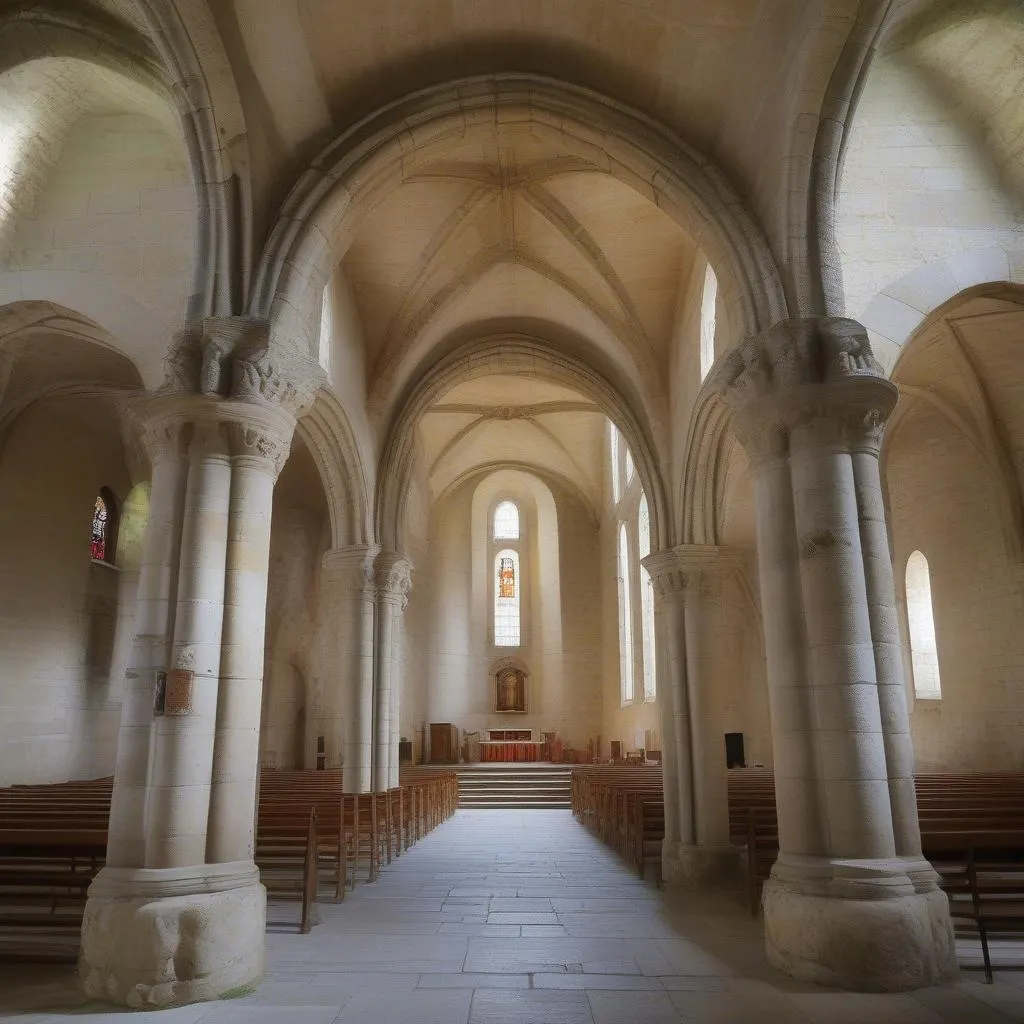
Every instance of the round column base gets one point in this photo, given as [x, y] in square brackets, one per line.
[692, 867]
[869, 927]
[158, 938]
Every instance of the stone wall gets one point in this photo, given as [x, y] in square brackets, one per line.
[59, 706]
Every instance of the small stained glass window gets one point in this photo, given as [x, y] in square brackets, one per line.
[100, 522]
[507, 628]
[506, 521]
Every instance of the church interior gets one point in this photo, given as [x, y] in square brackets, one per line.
[514, 512]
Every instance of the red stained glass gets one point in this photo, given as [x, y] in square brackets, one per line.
[98, 544]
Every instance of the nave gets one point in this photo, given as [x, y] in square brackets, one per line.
[523, 917]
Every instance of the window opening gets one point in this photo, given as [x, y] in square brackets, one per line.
[507, 590]
[924, 653]
[101, 546]
[614, 453]
[646, 600]
[625, 619]
[708, 302]
[326, 329]
[506, 521]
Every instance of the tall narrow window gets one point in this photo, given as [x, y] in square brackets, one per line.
[625, 619]
[646, 600]
[326, 329]
[101, 546]
[507, 589]
[707, 321]
[924, 653]
[506, 521]
[630, 468]
[613, 452]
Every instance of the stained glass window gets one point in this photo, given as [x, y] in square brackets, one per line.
[100, 523]
[924, 650]
[708, 305]
[625, 619]
[629, 465]
[507, 587]
[506, 521]
[643, 529]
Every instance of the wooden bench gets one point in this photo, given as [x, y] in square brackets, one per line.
[624, 806]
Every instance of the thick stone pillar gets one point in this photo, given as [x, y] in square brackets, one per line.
[347, 595]
[259, 446]
[394, 579]
[687, 582]
[677, 770]
[178, 800]
[846, 904]
[181, 916]
[154, 625]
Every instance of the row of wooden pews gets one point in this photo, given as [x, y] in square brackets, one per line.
[310, 837]
[972, 830]
[623, 806]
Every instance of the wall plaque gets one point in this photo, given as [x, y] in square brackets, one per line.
[179, 692]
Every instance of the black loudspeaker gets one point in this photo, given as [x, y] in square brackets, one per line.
[734, 757]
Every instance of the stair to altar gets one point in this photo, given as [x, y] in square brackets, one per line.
[514, 785]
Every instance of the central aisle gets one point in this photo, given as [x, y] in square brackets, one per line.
[522, 917]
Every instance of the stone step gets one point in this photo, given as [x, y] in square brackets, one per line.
[514, 786]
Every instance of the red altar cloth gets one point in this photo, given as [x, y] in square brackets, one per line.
[513, 750]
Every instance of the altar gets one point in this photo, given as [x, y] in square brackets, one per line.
[517, 745]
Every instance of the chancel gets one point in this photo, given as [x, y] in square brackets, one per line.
[512, 511]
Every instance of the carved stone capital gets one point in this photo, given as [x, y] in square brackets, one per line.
[350, 570]
[393, 575]
[162, 428]
[812, 376]
[170, 425]
[235, 357]
[679, 572]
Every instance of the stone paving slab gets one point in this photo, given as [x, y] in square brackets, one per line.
[523, 917]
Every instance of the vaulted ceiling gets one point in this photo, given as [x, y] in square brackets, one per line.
[513, 228]
[506, 420]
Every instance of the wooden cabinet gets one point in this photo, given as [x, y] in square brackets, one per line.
[444, 743]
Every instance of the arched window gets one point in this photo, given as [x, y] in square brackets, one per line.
[326, 328]
[506, 521]
[708, 302]
[625, 619]
[104, 523]
[643, 529]
[507, 590]
[613, 451]
[924, 653]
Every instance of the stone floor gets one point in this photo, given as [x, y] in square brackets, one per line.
[522, 917]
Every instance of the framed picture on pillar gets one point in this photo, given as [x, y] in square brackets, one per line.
[510, 682]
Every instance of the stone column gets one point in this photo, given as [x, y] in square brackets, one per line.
[677, 769]
[394, 579]
[173, 919]
[687, 582]
[154, 625]
[260, 442]
[347, 594]
[178, 801]
[842, 906]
